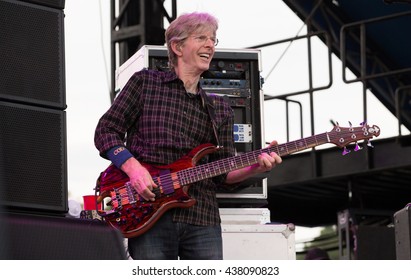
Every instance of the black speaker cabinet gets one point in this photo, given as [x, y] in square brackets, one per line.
[32, 54]
[31, 237]
[33, 164]
[59, 4]
[366, 234]
[375, 243]
[402, 224]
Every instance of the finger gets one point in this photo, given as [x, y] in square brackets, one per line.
[277, 158]
[152, 183]
[265, 161]
[143, 191]
[269, 161]
[148, 195]
[149, 182]
[273, 143]
[260, 160]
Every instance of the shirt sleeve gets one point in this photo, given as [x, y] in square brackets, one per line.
[112, 127]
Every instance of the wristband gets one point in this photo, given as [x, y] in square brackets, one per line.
[118, 155]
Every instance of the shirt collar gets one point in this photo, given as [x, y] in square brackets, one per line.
[172, 76]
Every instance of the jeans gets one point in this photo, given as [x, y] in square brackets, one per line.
[167, 240]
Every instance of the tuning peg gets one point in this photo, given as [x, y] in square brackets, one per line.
[345, 151]
[364, 123]
[351, 128]
[357, 147]
[369, 144]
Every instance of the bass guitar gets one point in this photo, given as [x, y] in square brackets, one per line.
[132, 215]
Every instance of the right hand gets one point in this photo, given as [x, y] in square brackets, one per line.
[140, 178]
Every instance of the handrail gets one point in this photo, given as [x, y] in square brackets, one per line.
[362, 25]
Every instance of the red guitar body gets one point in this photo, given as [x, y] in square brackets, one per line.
[133, 215]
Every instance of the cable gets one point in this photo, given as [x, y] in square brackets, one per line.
[284, 52]
[286, 49]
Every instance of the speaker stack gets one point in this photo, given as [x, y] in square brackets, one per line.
[33, 156]
[33, 160]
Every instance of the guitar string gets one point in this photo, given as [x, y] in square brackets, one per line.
[250, 158]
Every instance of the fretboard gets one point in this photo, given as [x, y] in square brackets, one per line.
[212, 169]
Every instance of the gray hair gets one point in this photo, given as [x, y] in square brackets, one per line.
[185, 25]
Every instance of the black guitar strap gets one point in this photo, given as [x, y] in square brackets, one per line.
[208, 103]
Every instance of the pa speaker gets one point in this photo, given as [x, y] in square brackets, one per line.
[33, 164]
[402, 224]
[32, 54]
[59, 4]
[375, 243]
[30, 237]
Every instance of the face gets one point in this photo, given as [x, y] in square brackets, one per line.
[196, 52]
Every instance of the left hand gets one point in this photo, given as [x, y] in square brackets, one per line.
[266, 162]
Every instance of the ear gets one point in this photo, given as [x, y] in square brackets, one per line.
[176, 47]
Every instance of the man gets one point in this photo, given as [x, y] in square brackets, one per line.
[158, 118]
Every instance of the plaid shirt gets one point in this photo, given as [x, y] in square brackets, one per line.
[159, 122]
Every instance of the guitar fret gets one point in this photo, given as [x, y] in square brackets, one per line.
[198, 174]
[286, 148]
[247, 161]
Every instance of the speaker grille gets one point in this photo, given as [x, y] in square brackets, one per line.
[375, 243]
[32, 60]
[29, 237]
[33, 157]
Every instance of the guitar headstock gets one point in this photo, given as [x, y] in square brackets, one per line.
[342, 136]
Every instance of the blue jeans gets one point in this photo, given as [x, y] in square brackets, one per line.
[167, 240]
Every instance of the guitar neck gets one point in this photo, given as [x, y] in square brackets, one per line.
[212, 169]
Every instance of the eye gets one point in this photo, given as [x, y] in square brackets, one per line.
[203, 39]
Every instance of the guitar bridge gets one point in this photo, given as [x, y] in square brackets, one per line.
[130, 193]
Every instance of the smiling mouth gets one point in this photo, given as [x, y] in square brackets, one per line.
[206, 56]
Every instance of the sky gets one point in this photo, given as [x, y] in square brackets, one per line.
[242, 24]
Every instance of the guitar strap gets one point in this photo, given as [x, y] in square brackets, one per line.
[208, 103]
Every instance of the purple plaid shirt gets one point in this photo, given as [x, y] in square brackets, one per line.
[159, 122]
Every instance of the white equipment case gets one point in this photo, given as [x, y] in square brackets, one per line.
[248, 234]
